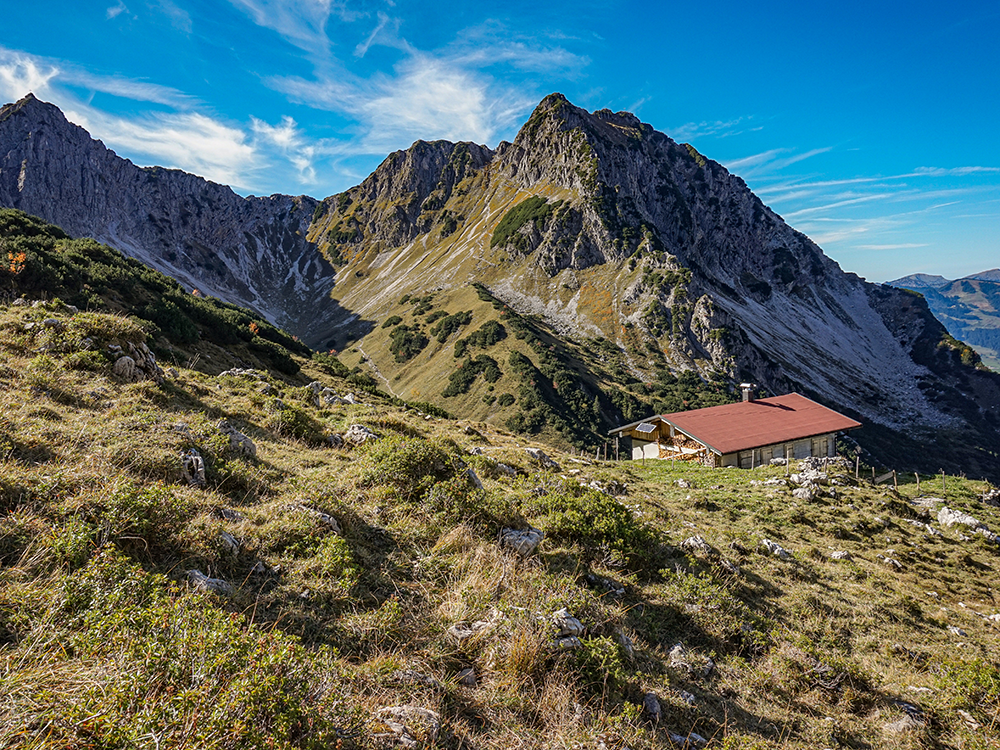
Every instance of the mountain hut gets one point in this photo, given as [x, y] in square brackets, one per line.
[744, 434]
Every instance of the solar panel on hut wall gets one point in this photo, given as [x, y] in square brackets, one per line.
[646, 428]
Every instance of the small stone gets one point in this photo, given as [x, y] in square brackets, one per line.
[522, 542]
[228, 514]
[260, 569]
[230, 542]
[903, 725]
[238, 442]
[53, 323]
[651, 707]
[202, 582]
[466, 677]
[687, 697]
[954, 630]
[357, 434]
[171, 373]
[569, 643]
[193, 468]
[409, 726]
[336, 440]
[474, 478]
[567, 624]
[696, 544]
[775, 549]
[460, 631]
[413, 677]
[539, 456]
[841, 556]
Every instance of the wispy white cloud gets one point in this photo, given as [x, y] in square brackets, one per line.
[21, 72]
[301, 23]
[116, 10]
[719, 128]
[362, 49]
[447, 94]
[896, 246]
[292, 143]
[179, 18]
[954, 171]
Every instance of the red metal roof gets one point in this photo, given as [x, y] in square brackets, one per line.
[750, 424]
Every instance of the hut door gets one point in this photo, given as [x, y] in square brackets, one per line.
[746, 459]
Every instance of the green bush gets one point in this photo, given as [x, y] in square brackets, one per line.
[596, 521]
[462, 379]
[406, 342]
[410, 466]
[506, 399]
[395, 320]
[146, 517]
[447, 325]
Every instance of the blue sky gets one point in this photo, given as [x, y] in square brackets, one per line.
[873, 130]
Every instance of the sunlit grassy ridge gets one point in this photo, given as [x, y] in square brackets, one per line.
[106, 642]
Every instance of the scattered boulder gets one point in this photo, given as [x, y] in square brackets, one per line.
[991, 496]
[955, 630]
[409, 726]
[948, 517]
[810, 476]
[466, 677]
[267, 390]
[685, 484]
[567, 624]
[54, 323]
[522, 542]
[779, 462]
[841, 556]
[193, 468]
[325, 518]
[336, 440]
[202, 582]
[539, 456]
[696, 544]
[230, 542]
[138, 364]
[238, 442]
[474, 478]
[806, 492]
[651, 708]
[775, 549]
[461, 631]
[476, 451]
[125, 369]
[357, 434]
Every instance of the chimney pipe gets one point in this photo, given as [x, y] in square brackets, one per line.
[747, 389]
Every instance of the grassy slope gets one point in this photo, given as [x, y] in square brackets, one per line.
[104, 643]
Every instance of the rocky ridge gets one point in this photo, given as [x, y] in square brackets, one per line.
[248, 251]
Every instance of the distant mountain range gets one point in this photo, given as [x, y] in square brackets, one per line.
[968, 307]
[556, 284]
